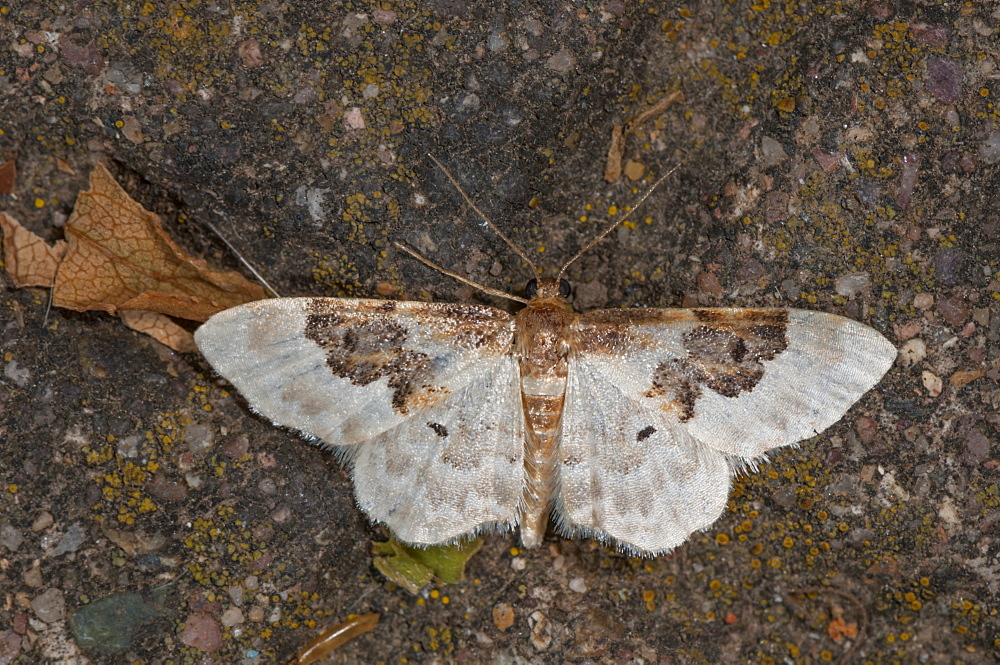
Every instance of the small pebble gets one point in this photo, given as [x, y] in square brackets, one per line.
[962, 378]
[772, 153]
[912, 352]
[496, 42]
[42, 522]
[709, 283]
[954, 310]
[256, 614]
[49, 606]
[541, 634]
[518, 563]
[866, 428]
[634, 170]
[947, 511]
[232, 617]
[977, 445]
[71, 540]
[563, 61]
[10, 537]
[578, 585]
[33, 577]
[236, 594]
[943, 79]
[989, 150]
[199, 438]
[202, 632]
[10, 646]
[354, 119]
[932, 383]
[503, 616]
[852, 284]
[923, 301]
[19, 375]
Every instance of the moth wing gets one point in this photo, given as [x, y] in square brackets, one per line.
[742, 381]
[454, 469]
[627, 473]
[346, 370]
[661, 403]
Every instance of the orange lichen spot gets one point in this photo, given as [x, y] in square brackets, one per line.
[838, 629]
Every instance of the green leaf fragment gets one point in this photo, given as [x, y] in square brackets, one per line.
[414, 567]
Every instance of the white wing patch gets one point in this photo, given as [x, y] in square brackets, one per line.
[627, 473]
[452, 469]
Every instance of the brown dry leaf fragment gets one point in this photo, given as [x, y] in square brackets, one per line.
[8, 177]
[29, 260]
[613, 165]
[120, 258]
[161, 328]
[334, 638]
[963, 378]
[655, 110]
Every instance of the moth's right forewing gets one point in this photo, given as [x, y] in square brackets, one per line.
[743, 381]
[345, 370]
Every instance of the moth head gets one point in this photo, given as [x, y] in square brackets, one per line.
[547, 287]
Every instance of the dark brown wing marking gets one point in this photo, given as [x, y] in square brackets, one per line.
[725, 354]
[365, 346]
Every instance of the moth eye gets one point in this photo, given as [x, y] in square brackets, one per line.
[532, 288]
[564, 288]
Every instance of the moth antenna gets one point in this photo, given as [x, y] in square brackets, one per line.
[486, 219]
[615, 224]
[485, 289]
[239, 256]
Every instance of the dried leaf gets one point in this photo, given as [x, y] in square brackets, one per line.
[334, 638]
[613, 165]
[963, 378]
[29, 260]
[120, 258]
[8, 176]
[161, 328]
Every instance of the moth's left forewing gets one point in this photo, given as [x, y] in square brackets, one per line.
[344, 370]
[742, 381]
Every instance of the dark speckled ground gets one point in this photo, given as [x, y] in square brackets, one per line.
[837, 157]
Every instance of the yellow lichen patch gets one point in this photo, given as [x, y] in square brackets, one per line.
[124, 468]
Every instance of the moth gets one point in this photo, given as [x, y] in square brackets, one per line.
[624, 425]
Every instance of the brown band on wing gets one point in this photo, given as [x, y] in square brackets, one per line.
[679, 384]
[364, 348]
[725, 355]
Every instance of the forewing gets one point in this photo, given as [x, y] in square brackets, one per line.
[628, 473]
[346, 370]
[742, 381]
[454, 468]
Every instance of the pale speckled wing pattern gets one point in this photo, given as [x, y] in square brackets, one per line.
[661, 404]
[436, 382]
[452, 469]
